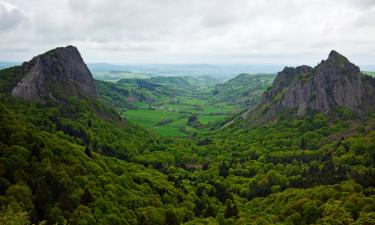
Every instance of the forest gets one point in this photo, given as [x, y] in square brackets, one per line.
[86, 161]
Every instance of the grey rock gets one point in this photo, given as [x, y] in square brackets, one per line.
[56, 74]
[335, 82]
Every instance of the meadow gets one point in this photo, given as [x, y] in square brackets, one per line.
[170, 118]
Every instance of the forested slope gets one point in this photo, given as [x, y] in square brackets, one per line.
[244, 90]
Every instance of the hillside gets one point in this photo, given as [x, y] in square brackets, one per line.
[74, 160]
[244, 90]
[153, 90]
[169, 86]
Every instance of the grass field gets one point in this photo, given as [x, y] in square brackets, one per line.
[169, 118]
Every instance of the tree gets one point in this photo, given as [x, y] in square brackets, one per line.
[10, 216]
[334, 214]
[21, 194]
[231, 210]
[86, 197]
[171, 218]
[210, 211]
[303, 143]
[88, 151]
[4, 184]
[223, 170]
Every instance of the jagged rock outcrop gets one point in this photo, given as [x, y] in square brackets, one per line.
[55, 75]
[334, 82]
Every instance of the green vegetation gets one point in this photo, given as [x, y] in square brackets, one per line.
[177, 113]
[337, 58]
[164, 104]
[78, 162]
[151, 102]
[131, 93]
[9, 78]
[244, 90]
[369, 73]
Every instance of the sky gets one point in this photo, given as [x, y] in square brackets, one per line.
[289, 32]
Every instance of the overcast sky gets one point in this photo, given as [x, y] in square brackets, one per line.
[287, 32]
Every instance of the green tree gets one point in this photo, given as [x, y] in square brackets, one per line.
[9, 216]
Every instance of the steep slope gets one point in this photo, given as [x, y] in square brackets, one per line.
[61, 79]
[332, 84]
[55, 75]
[51, 176]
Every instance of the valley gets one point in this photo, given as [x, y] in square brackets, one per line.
[171, 118]
[75, 150]
[165, 104]
[245, 112]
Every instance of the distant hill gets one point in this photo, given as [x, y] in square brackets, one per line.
[244, 90]
[176, 85]
[125, 92]
[222, 72]
[4, 65]
[116, 75]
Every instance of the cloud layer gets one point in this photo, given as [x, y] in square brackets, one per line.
[179, 31]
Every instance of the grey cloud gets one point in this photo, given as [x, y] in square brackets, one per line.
[9, 18]
[366, 19]
[365, 4]
[196, 31]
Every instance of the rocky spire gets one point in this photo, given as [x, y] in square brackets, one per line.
[56, 75]
[335, 82]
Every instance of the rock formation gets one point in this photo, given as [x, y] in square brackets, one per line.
[55, 75]
[333, 83]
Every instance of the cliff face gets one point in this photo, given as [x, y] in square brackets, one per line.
[56, 74]
[335, 82]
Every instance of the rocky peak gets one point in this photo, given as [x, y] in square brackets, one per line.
[333, 55]
[55, 75]
[283, 80]
[338, 62]
[335, 82]
[336, 57]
